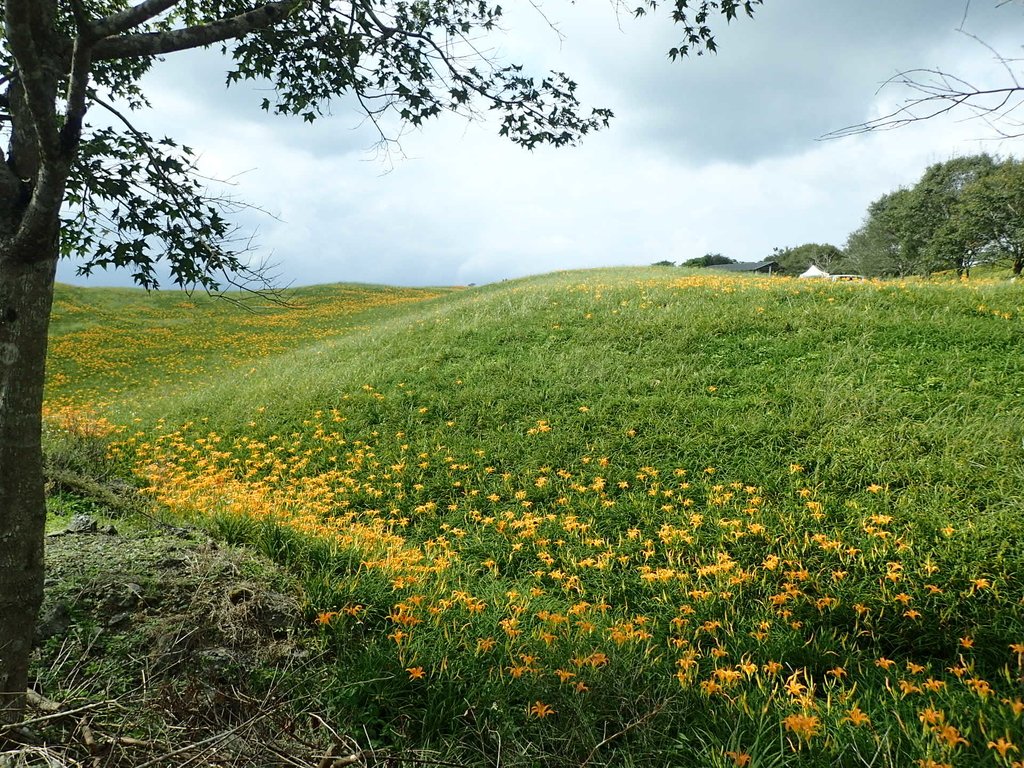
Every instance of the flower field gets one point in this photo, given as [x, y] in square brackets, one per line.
[107, 344]
[623, 517]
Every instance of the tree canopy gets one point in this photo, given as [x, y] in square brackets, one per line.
[961, 212]
[796, 259]
[986, 224]
[708, 260]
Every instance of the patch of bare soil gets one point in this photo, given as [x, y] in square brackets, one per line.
[157, 647]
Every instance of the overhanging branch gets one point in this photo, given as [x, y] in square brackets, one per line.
[156, 43]
[116, 23]
[941, 93]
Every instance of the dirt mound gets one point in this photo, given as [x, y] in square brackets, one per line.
[160, 647]
[176, 596]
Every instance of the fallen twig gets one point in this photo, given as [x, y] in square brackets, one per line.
[40, 702]
[623, 732]
[192, 747]
[53, 716]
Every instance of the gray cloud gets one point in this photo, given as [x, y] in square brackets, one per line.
[798, 70]
[710, 154]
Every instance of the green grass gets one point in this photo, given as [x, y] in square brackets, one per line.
[477, 466]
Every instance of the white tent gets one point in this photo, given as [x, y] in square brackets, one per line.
[814, 271]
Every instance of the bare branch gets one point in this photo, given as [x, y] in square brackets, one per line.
[941, 93]
[156, 43]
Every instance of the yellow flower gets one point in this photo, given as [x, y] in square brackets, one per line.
[540, 710]
[739, 759]
[980, 687]
[416, 673]
[710, 687]
[907, 688]
[1002, 746]
[793, 685]
[930, 716]
[1015, 704]
[857, 717]
[804, 726]
[950, 736]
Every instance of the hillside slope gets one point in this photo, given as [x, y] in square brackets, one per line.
[573, 513]
[898, 384]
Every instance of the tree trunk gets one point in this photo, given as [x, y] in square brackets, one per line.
[26, 296]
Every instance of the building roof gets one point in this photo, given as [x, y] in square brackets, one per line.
[746, 266]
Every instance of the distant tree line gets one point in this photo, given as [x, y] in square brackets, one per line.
[707, 260]
[964, 212]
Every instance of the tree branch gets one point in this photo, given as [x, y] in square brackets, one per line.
[941, 93]
[24, 21]
[156, 43]
[41, 220]
[78, 85]
[116, 23]
[81, 16]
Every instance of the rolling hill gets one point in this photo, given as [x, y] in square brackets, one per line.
[630, 517]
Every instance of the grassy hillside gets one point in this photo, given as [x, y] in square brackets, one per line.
[109, 344]
[629, 517]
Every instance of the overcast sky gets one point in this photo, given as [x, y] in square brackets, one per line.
[713, 154]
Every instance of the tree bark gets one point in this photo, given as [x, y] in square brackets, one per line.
[26, 296]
